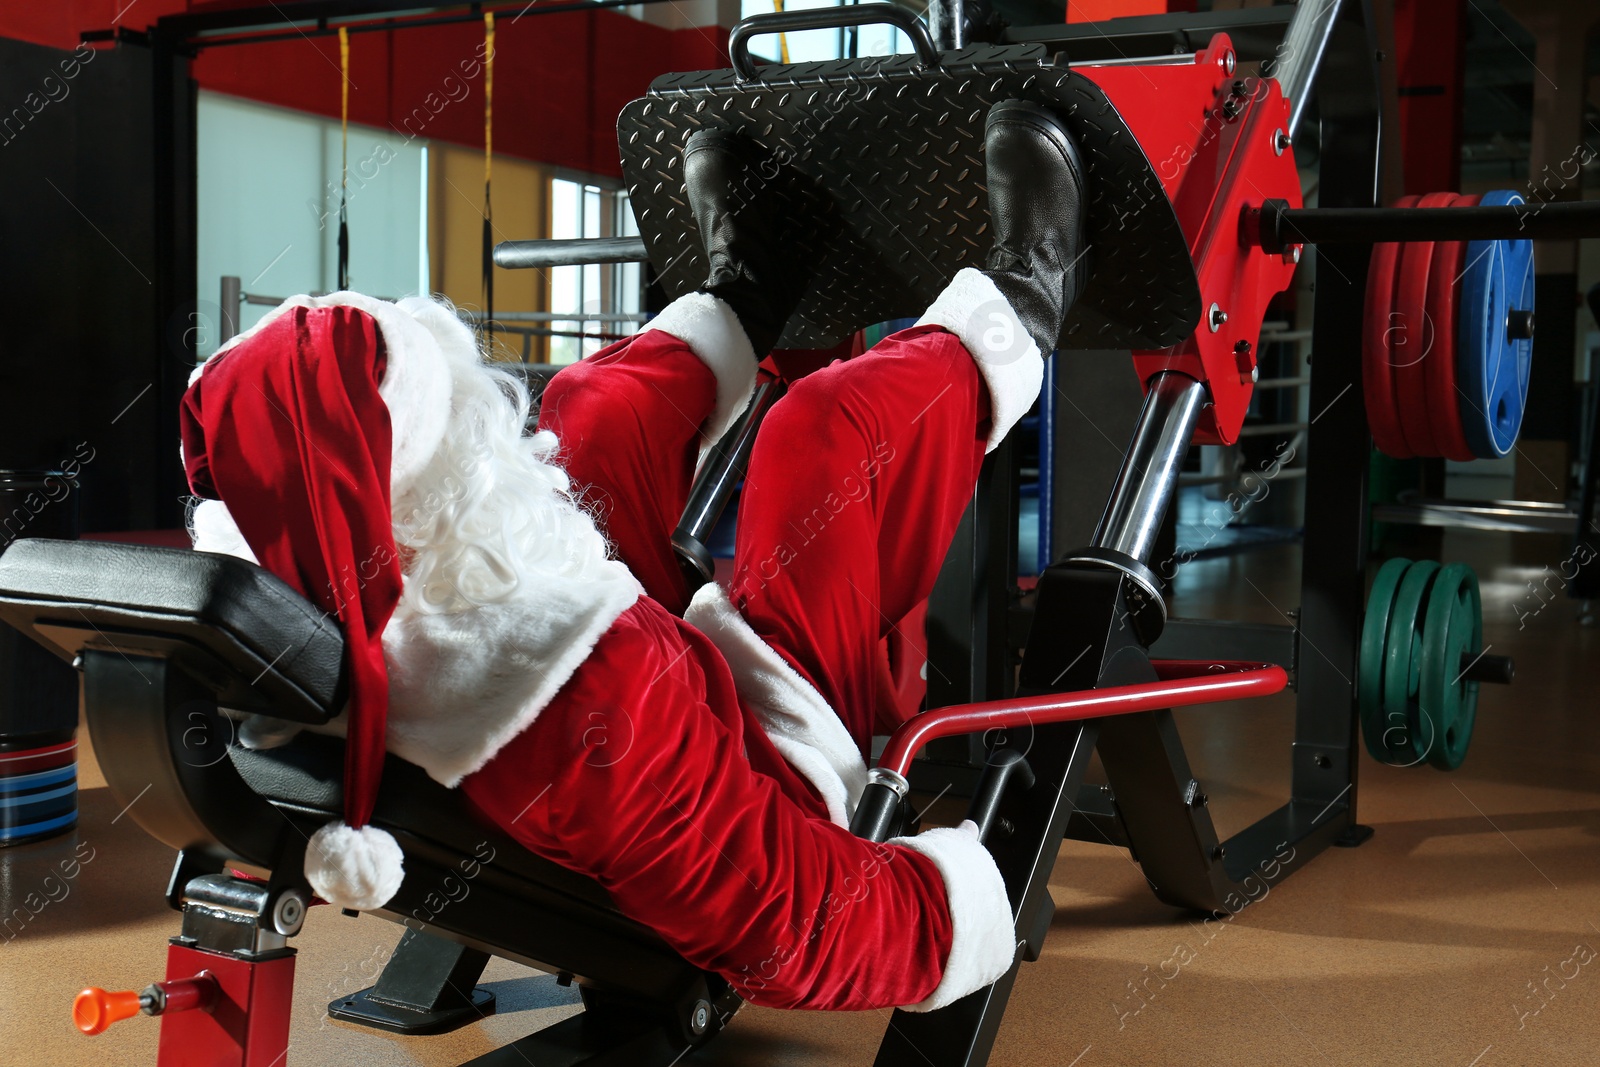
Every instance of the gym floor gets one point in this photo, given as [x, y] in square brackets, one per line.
[1460, 935]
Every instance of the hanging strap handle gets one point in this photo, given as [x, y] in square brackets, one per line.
[828, 18]
[344, 157]
[488, 171]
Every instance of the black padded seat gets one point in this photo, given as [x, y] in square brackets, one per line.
[187, 604]
[228, 621]
[165, 637]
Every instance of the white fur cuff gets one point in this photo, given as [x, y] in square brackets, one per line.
[710, 328]
[803, 728]
[984, 941]
[360, 869]
[972, 308]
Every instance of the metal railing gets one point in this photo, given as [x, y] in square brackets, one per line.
[233, 298]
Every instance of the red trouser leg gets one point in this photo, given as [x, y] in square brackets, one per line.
[629, 421]
[637, 775]
[857, 482]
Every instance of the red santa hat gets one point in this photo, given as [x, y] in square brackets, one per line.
[307, 427]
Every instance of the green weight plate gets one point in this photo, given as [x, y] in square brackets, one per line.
[1403, 728]
[1369, 677]
[1454, 625]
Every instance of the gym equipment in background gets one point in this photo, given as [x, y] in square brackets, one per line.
[1422, 658]
[1449, 340]
[38, 694]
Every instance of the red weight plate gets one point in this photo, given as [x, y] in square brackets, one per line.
[1444, 304]
[1377, 378]
[1415, 326]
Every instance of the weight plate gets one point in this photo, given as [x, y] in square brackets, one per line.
[1448, 701]
[1519, 295]
[1444, 298]
[1402, 664]
[1413, 340]
[1369, 670]
[1377, 377]
[1492, 368]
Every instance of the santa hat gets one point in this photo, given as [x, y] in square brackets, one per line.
[307, 427]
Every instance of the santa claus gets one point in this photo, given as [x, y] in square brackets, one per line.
[517, 623]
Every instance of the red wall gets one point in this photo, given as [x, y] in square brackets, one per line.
[57, 23]
[1101, 10]
[559, 80]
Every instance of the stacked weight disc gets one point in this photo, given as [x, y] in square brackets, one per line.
[1423, 629]
[38, 788]
[1448, 340]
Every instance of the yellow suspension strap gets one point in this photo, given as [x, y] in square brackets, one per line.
[783, 38]
[344, 156]
[488, 167]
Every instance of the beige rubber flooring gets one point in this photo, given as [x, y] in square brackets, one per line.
[1464, 934]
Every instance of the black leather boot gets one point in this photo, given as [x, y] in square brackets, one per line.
[1037, 196]
[743, 201]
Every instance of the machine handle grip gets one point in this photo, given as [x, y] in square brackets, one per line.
[94, 1010]
[827, 18]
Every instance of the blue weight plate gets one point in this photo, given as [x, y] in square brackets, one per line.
[1519, 287]
[1492, 365]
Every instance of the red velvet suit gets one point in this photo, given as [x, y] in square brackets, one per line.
[647, 771]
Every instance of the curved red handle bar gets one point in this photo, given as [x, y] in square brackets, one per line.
[1182, 683]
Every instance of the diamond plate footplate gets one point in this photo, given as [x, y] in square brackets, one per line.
[893, 153]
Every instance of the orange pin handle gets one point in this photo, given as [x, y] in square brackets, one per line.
[95, 1009]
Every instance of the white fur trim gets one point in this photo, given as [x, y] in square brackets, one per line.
[421, 337]
[972, 308]
[983, 942]
[710, 328]
[360, 869]
[803, 728]
[212, 529]
[463, 684]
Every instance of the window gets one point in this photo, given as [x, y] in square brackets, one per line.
[267, 182]
[603, 300]
[812, 45]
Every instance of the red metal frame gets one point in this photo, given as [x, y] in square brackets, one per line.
[1217, 155]
[1182, 683]
[247, 1025]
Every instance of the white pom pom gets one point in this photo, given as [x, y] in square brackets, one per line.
[358, 869]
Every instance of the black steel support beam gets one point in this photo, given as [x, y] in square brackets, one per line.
[322, 19]
[969, 657]
[1333, 579]
[174, 158]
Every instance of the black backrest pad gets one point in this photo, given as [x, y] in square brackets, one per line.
[259, 644]
[887, 162]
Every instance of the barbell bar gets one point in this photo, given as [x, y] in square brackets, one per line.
[1276, 226]
[576, 252]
